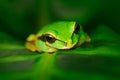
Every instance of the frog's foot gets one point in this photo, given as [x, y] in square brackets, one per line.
[83, 40]
[30, 44]
[88, 39]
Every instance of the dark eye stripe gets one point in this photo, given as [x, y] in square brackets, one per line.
[77, 28]
[42, 38]
[47, 38]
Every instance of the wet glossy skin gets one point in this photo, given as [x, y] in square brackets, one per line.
[60, 35]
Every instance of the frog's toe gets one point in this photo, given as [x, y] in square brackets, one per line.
[88, 39]
[32, 47]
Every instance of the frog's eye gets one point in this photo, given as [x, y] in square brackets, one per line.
[47, 37]
[77, 28]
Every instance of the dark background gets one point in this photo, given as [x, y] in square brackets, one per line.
[21, 17]
[99, 60]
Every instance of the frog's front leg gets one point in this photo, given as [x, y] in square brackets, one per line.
[84, 39]
[30, 44]
[88, 39]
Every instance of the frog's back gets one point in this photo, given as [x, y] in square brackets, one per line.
[62, 29]
[58, 26]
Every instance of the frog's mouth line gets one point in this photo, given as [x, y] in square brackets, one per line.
[66, 45]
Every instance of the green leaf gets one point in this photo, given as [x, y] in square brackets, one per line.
[96, 60]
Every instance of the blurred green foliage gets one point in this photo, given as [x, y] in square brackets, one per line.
[22, 17]
[99, 60]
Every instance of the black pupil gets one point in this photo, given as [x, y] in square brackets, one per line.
[50, 38]
[77, 28]
[47, 37]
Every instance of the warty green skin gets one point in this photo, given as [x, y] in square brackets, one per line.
[63, 31]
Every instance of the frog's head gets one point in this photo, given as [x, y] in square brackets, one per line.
[59, 35]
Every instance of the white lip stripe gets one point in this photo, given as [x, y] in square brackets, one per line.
[65, 48]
